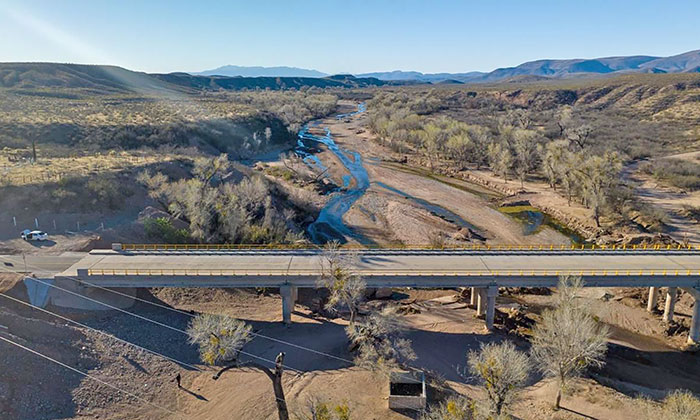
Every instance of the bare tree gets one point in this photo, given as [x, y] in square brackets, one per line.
[568, 340]
[378, 342]
[338, 276]
[502, 370]
[579, 136]
[221, 338]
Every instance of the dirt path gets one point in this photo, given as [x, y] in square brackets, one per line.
[670, 200]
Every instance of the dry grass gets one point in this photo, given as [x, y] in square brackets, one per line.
[50, 169]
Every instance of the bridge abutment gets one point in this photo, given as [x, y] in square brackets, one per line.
[694, 334]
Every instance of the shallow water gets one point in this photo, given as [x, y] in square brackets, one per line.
[533, 221]
[329, 224]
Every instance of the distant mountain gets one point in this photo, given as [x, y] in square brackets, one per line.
[682, 63]
[46, 77]
[258, 71]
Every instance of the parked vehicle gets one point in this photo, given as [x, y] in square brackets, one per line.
[34, 235]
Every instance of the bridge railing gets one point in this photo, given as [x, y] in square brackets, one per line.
[473, 247]
[389, 273]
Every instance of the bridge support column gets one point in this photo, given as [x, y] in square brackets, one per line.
[473, 298]
[670, 303]
[491, 294]
[480, 301]
[653, 298]
[289, 295]
[694, 334]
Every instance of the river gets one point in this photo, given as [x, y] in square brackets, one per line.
[330, 226]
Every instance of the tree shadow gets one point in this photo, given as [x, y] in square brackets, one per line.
[585, 416]
[194, 394]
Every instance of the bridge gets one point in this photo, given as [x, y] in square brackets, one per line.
[484, 269]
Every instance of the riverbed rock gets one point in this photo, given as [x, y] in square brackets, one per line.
[462, 234]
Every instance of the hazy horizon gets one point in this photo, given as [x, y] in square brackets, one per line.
[336, 37]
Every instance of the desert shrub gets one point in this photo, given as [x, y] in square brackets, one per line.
[678, 173]
[457, 407]
[161, 229]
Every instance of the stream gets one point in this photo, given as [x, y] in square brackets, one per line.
[329, 224]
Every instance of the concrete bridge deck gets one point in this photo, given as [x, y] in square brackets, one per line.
[484, 270]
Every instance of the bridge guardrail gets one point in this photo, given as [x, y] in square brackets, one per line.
[473, 247]
[388, 273]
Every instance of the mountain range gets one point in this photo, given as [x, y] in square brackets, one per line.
[113, 79]
[257, 71]
[688, 62]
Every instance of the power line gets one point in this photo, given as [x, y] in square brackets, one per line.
[87, 375]
[148, 319]
[350, 362]
[101, 332]
[187, 314]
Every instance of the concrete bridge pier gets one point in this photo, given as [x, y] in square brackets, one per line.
[473, 297]
[289, 297]
[480, 301]
[653, 298]
[694, 334]
[491, 293]
[671, 296]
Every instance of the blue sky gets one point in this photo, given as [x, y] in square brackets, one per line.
[341, 36]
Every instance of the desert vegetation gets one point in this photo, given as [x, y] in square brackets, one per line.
[222, 211]
[562, 136]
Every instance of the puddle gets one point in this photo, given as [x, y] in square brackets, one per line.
[533, 221]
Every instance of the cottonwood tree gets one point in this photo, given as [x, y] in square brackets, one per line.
[500, 159]
[600, 176]
[377, 340]
[338, 275]
[525, 156]
[568, 340]
[481, 138]
[502, 370]
[221, 338]
[554, 162]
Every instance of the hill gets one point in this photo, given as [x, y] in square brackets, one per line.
[258, 71]
[397, 75]
[49, 78]
[560, 69]
[104, 79]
